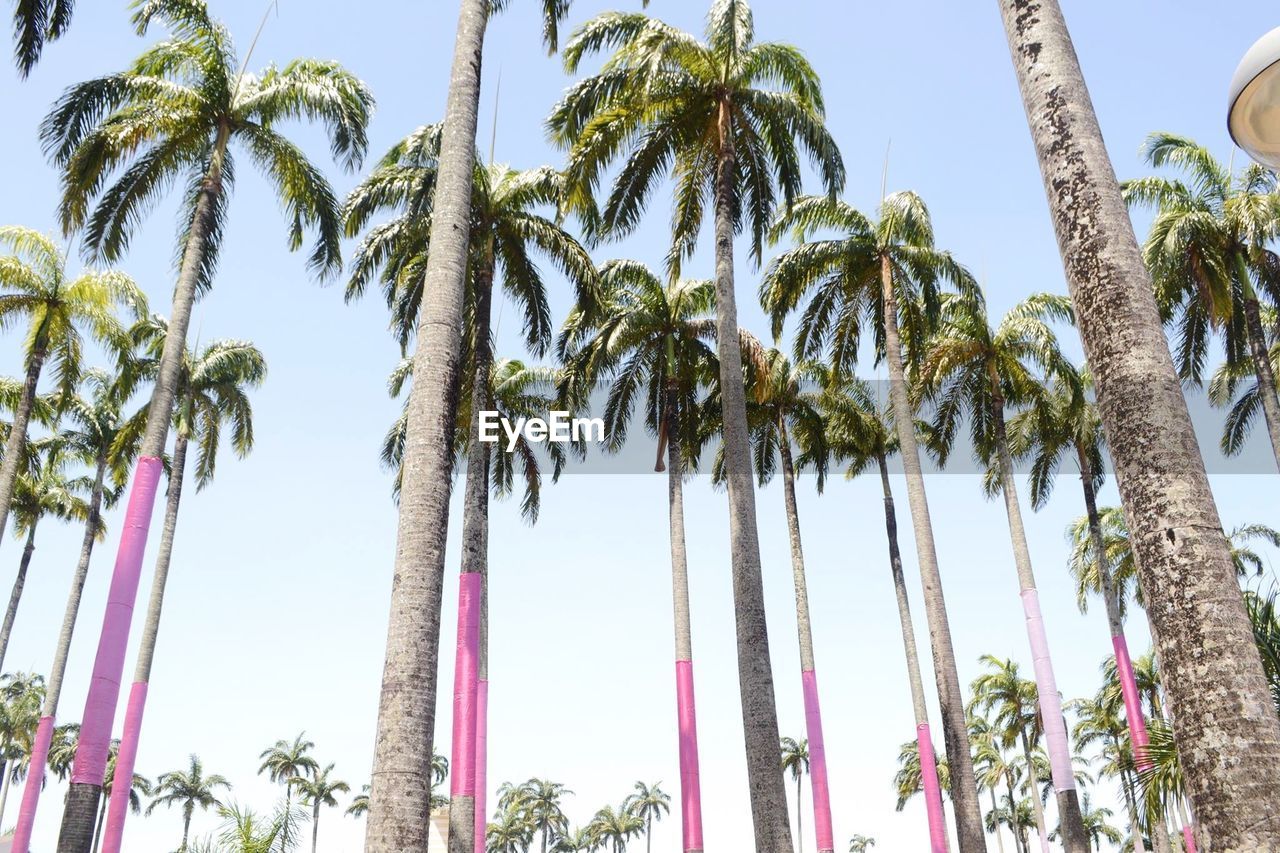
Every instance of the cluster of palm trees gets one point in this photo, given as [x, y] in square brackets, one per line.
[531, 816]
[731, 120]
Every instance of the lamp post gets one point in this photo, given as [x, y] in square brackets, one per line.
[1253, 114]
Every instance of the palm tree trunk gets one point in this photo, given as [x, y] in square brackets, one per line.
[964, 786]
[755, 673]
[1074, 839]
[1188, 827]
[53, 689]
[128, 753]
[186, 829]
[475, 557]
[1033, 787]
[4, 792]
[799, 813]
[995, 808]
[686, 706]
[809, 679]
[315, 826]
[1212, 668]
[108, 668]
[1135, 823]
[482, 719]
[97, 832]
[924, 738]
[13, 447]
[1261, 364]
[401, 783]
[15, 595]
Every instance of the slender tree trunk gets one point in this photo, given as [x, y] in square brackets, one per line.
[400, 792]
[108, 669]
[1033, 788]
[924, 738]
[755, 673]
[1227, 731]
[809, 680]
[53, 688]
[1262, 370]
[128, 754]
[799, 814]
[1074, 839]
[1019, 842]
[97, 832]
[964, 786]
[482, 719]
[686, 706]
[186, 830]
[1135, 822]
[315, 826]
[475, 558]
[13, 448]
[15, 595]
[4, 793]
[995, 809]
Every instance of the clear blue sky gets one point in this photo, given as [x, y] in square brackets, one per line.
[276, 613]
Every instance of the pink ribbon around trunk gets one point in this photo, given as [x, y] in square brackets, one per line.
[1055, 729]
[482, 760]
[817, 763]
[932, 790]
[1132, 702]
[690, 784]
[35, 781]
[104, 690]
[1189, 837]
[462, 775]
[126, 759]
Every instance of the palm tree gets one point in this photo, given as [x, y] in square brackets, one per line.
[1202, 628]
[1098, 722]
[1095, 824]
[245, 831]
[211, 394]
[993, 770]
[45, 492]
[36, 22]
[704, 110]
[887, 275]
[859, 433]
[62, 751]
[861, 843]
[1242, 411]
[99, 433]
[140, 788]
[782, 410]
[359, 803]
[795, 760]
[539, 801]
[286, 761]
[647, 337]
[614, 827]
[35, 287]
[910, 778]
[1209, 258]
[511, 833]
[649, 803]
[20, 697]
[973, 371]
[1265, 617]
[316, 790]
[188, 788]
[172, 115]
[506, 232]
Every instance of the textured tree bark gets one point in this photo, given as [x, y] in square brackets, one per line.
[13, 447]
[15, 594]
[1226, 729]
[755, 673]
[75, 835]
[1262, 369]
[1033, 789]
[401, 783]
[955, 731]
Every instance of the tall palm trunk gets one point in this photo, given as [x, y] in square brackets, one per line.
[53, 689]
[18, 433]
[127, 755]
[15, 595]
[1212, 669]
[964, 785]
[755, 673]
[686, 706]
[995, 808]
[4, 791]
[924, 738]
[1262, 368]
[1019, 841]
[482, 719]
[1130, 802]
[315, 826]
[186, 827]
[809, 679]
[1033, 788]
[97, 831]
[475, 558]
[1074, 839]
[401, 784]
[104, 690]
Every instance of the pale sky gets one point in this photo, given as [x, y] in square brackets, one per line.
[276, 614]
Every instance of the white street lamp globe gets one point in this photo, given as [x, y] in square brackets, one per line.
[1253, 117]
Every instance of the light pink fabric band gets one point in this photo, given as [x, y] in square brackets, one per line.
[1055, 728]
[932, 790]
[126, 760]
[482, 761]
[35, 780]
[462, 770]
[690, 784]
[817, 763]
[1132, 702]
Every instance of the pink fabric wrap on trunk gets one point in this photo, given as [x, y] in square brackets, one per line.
[462, 769]
[1132, 702]
[1055, 728]
[482, 761]
[932, 790]
[1189, 837]
[104, 689]
[817, 763]
[31, 792]
[690, 783]
[126, 759]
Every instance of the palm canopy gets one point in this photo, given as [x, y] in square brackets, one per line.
[838, 278]
[612, 827]
[784, 405]
[1208, 246]
[909, 780]
[1010, 699]
[507, 233]
[1243, 411]
[48, 491]
[97, 427]
[795, 756]
[188, 788]
[859, 424]
[284, 760]
[35, 288]
[317, 788]
[649, 802]
[35, 23]
[665, 102]
[124, 139]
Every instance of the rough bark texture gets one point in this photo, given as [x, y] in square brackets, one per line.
[1262, 369]
[18, 435]
[15, 594]
[964, 785]
[755, 673]
[401, 780]
[1227, 732]
[78, 818]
